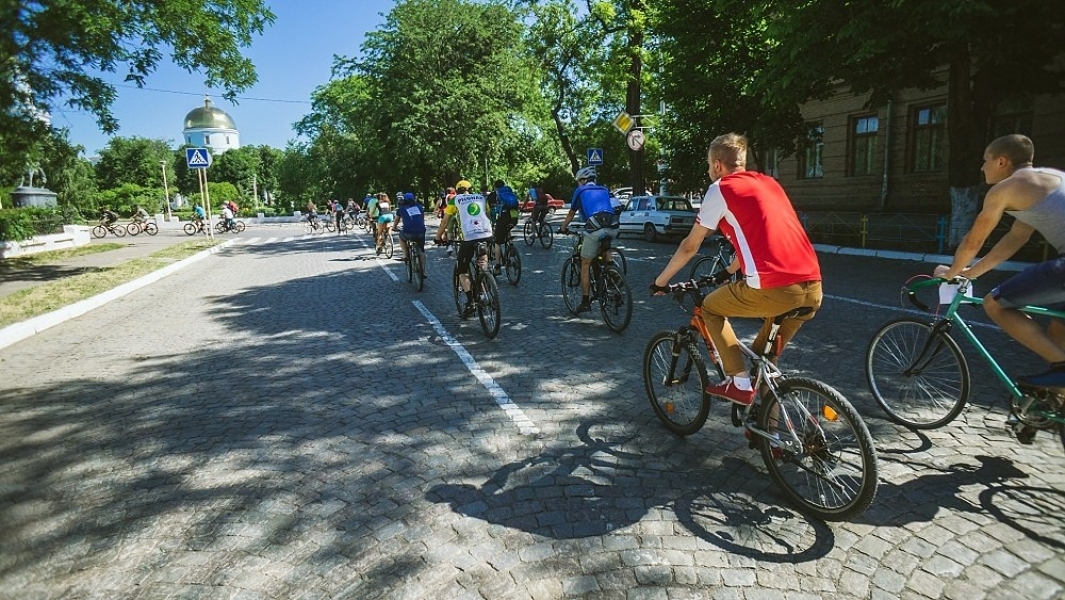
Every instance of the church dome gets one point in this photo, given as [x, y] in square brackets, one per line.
[208, 117]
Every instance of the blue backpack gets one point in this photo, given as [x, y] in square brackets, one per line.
[507, 196]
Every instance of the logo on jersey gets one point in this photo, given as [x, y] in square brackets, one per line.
[473, 209]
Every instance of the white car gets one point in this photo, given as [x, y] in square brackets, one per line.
[655, 216]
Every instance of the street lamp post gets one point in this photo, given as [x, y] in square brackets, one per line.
[166, 190]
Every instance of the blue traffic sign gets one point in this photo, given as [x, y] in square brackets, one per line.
[595, 156]
[197, 158]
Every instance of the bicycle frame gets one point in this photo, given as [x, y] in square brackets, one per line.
[951, 318]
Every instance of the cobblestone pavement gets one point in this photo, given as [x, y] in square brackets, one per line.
[290, 419]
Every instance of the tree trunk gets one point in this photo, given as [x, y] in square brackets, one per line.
[969, 103]
[964, 206]
[563, 138]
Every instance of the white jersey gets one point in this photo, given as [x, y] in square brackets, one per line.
[472, 211]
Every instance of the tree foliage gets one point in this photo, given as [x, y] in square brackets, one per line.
[133, 160]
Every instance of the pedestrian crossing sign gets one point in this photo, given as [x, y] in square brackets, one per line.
[197, 158]
[595, 156]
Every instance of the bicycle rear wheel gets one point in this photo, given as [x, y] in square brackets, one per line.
[615, 300]
[706, 266]
[831, 470]
[99, 231]
[133, 229]
[512, 264]
[189, 229]
[617, 258]
[389, 245]
[456, 290]
[917, 375]
[417, 265]
[571, 284]
[488, 310]
[547, 235]
[675, 385]
[529, 233]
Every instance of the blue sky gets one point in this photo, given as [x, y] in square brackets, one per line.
[292, 57]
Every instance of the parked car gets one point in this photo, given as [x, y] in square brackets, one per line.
[553, 204]
[654, 216]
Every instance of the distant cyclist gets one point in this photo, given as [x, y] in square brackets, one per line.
[140, 215]
[508, 218]
[338, 214]
[312, 213]
[382, 211]
[600, 223]
[539, 198]
[412, 218]
[471, 210]
[108, 216]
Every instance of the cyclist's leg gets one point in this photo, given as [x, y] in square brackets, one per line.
[788, 298]
[1038, 285]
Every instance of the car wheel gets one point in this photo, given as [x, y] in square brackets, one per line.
[649, 233]
[551, 210]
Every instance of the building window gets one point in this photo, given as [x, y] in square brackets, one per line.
[207, 140]
[772, 163]
[863, 131]
[927, 136]
[810, 166]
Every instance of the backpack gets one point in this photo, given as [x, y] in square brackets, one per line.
[507, 196]
[232, 206]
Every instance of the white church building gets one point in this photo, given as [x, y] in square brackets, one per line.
[210, 127]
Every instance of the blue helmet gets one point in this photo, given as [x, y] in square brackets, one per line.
[408, 198]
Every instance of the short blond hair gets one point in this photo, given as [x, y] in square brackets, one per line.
[730, 149]
[1016, 148]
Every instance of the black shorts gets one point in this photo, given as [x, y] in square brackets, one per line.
[507, 220]
[466, 252]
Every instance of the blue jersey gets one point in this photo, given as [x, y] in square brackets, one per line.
[413, 219]
[591, 199]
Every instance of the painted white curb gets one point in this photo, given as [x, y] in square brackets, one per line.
[20, 331]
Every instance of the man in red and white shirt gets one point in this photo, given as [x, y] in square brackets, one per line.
[778, 263]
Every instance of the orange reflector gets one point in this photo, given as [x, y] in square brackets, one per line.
[829, 413]
[670, 407]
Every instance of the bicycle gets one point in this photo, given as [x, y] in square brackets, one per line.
[194, 227]
[813, 442]
[313, 225]
[608, 286]
[920, 378]
[511, 264]
[538, 230]
[135, 227]
[386, 244]
[221, 227]
[483, 289]
[416, 264]
[718, 260]
[116, 229]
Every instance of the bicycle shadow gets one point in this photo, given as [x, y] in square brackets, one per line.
[598, 487]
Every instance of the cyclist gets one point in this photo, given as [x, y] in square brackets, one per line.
[198, 216]
[539, 211]
[507, 201]
[108, 216]
[338, 215]
[312, 214]
[382, 213]
[600, 223]
[227, 216]
[412, 218]
[471, 210]
[1036, 198]
[780, 267]
[140, 216]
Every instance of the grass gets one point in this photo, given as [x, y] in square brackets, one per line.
[45, 298]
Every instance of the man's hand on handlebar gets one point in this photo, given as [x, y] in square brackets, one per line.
[659, 290]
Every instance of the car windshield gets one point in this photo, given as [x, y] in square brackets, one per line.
[674, 203]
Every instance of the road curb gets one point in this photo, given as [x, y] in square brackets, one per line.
[938, 259]
[19, 331]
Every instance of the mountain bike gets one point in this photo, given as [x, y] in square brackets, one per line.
[416, 264]
[719, 259]
[116, 229]
[813, 442]
[135, 227]
[483, 288]
[195, 227]
[538, 230]
[920, 378]
[608, 285]
[386, 245]
[511, 264]
[221, 227]
[312, 224]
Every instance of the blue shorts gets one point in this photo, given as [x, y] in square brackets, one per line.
[1038, 285]
[385, 218]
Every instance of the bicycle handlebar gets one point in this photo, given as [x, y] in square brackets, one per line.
[911, 287]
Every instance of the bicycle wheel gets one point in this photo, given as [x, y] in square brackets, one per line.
[547, 235]
[916, 374]
[417, 266]
[529, 232]
[330, 226]
[119, 231]
[151, 228]
[133, 229]
[512, 264]
[456, 289]
[675, 392]
[220, 226]
[706, 266]
[488, 309]
[389, 245]
[410, 261]
[615, 300]
[189, 229]
[617, 257]
[830, 471]
[571, 284]
[99, 231]
[239, 227]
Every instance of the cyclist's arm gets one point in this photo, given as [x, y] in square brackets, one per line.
[1014, 240]
[685, 251]
[995, 204]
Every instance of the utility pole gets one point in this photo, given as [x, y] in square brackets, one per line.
[166, 190]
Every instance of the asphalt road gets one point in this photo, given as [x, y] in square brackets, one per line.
[290, 419]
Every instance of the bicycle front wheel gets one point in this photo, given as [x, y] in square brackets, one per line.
[825, 461]
[239, 226]
[529, 233]
[571, 284]
[615, 300]
[917, 374]
[119, 231]
[512, 264]
[151, 228]
[547, 236]
[675, 384]
[488, 309]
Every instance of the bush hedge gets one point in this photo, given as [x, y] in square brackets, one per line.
[18, 224]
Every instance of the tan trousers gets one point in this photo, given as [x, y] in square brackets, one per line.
[740, 300]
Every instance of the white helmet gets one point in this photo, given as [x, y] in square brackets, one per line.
[585, 173]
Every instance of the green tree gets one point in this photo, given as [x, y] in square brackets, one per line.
[132, 160]
[55, 52]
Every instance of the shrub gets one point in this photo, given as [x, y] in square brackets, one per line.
[17, 224]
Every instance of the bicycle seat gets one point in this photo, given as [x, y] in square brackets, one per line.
[802, 311]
